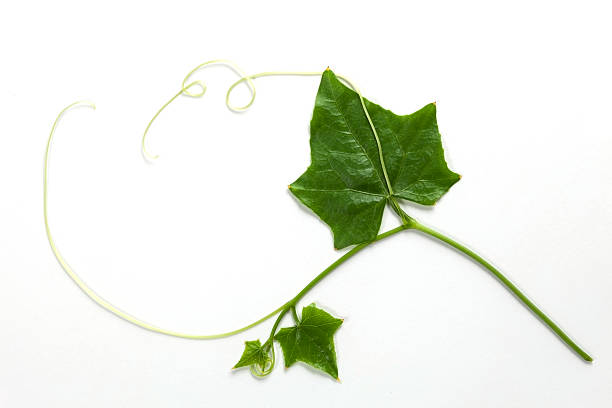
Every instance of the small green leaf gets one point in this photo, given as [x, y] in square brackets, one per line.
[311, 340]
[345, 184]
[254, 354]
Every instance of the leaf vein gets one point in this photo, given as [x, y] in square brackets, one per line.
[352, 133]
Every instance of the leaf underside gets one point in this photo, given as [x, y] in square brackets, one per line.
[311, 341]
[345, 185]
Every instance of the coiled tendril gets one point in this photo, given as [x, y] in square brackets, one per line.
[262, 371]
[186, 86]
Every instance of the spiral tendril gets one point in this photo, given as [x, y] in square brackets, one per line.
[262, 371]
[251, 85]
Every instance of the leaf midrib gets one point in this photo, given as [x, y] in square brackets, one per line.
[341, 190]
[352, 133]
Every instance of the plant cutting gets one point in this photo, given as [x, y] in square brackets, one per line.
[364, 159]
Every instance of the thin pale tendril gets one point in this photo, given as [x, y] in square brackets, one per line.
[259, 371]
[249, 81]
[85, 288]
[185, 89]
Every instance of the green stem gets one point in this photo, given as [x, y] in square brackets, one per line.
[343, 259]
[290, 305]
[296, 319]
[406, 219]
[277, 322]
[508, 284]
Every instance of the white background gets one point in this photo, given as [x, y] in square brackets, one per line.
[208, 238]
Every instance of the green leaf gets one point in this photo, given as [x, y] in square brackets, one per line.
[311, 340]
[345, 184]
[254, 354]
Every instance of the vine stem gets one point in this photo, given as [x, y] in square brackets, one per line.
[508, 284]
[413, 224]
[343, 259]
[290, 305]
[407, 223]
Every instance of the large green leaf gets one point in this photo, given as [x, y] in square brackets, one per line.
[345, 184]
[311, 340]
